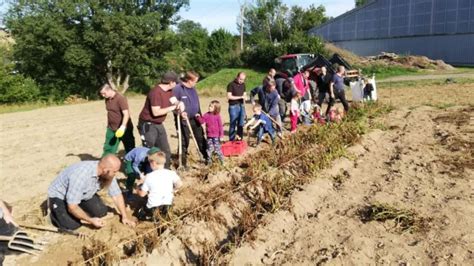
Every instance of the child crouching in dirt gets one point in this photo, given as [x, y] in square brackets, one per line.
[368, 89]
[261, 123]
[137, 166]
[336, 114]
[305, 112]
[317, 117]
[160, 186]
[214, 130]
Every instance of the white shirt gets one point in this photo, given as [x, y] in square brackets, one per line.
[160, 187]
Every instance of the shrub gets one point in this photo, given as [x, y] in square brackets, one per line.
[15, 88]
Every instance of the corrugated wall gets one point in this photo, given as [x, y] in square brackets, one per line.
[424, 27]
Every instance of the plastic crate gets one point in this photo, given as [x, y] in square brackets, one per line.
[234, 148]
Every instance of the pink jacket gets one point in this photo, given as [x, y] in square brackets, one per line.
[300, 83]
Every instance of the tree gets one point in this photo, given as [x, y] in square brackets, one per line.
[267, 20]
[192, 39]
[14, 87]
[274, 21]
[305, 19]
[72, 47]
[361, 2]
[220, 50]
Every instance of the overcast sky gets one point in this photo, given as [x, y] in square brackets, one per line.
[214, 14]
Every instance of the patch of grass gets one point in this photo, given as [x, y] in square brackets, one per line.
[383, 71]
[11, 108]
[216, 84]
[405, 220]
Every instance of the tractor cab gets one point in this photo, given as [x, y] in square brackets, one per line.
[293, 62]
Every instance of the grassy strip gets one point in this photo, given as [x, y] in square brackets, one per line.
[216, 84]
[384, 71]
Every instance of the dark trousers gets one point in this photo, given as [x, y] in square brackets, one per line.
[146, 214]
[282, 109]
[154, 135]
[186, 138]
[61, 217]
[5, 230]
[341, 95]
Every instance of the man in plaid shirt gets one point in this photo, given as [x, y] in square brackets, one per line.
[72, 195]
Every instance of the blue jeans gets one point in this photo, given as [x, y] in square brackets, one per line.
[237, 120]
[260, 130]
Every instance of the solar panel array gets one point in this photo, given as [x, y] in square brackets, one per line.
[401, 18]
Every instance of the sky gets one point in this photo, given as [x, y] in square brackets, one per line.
[215, 14]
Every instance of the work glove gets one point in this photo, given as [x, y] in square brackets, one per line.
[119, 133]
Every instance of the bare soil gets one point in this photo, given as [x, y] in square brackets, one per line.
[419, 160]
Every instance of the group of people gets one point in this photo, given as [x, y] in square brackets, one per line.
[72, 195]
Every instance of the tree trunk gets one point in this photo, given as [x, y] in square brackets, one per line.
[114, 79]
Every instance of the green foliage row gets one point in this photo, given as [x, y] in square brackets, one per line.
[14, 87]
[216, 83]
[263, 54]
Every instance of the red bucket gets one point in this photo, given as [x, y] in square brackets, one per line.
[234, 148]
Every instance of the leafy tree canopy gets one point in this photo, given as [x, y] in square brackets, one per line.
[72, 47]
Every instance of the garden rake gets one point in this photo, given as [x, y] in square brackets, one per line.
[21, 242]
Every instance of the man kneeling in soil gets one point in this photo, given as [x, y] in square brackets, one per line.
[72, 195]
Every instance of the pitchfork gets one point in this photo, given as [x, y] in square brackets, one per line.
[20, 241]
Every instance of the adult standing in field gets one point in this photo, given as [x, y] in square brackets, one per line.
[186, 93]
[119, 124]
[270, 76]
[280, 81]
[302, 85]
[336, 89]
[236, 95]
[159, 102]
[323, 80]
[73, 198]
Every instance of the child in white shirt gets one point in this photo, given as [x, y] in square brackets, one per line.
[159, 185]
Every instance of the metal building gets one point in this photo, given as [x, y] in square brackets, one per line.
[438, 29]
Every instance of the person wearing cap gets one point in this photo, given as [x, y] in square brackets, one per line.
[119, 124]
[236, 95]
[73, 198]
[159, 102]
[186, 93]
[137, 165]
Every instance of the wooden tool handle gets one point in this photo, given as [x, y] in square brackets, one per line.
[40, 227]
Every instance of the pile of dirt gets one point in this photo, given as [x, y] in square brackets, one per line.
[388, 59]
[411, 61]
